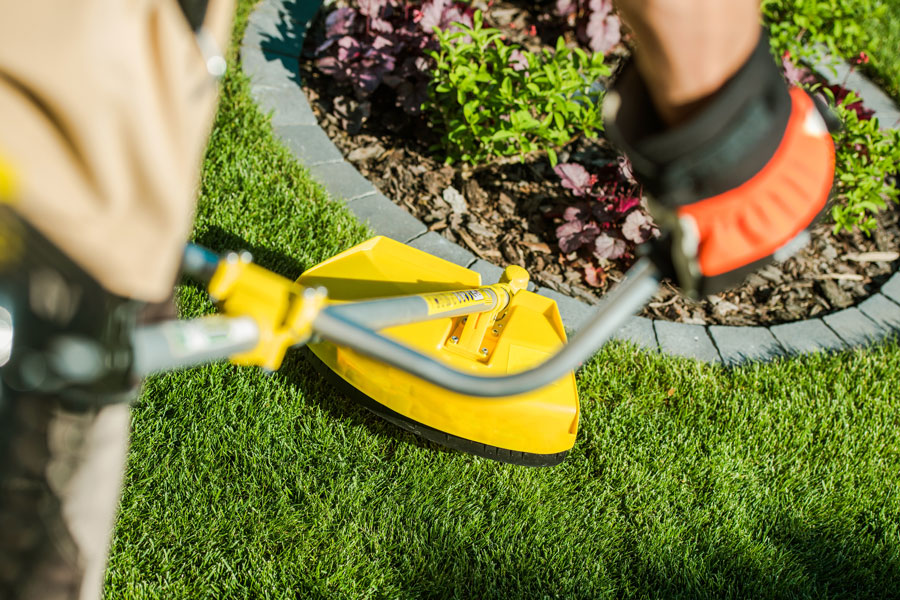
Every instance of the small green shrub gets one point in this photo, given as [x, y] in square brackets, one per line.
[802, 27]
[489, 99]
[866, 158]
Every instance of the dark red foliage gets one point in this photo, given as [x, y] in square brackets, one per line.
[595, 21]
[840, 93]
[384, 42]
[610, 222]
[799, 75]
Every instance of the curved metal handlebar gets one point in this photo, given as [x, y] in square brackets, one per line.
[187, 343]
[640, 283]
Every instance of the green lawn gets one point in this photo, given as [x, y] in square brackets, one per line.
[776, 480]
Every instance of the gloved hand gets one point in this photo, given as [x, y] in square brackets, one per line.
[737, 184]
[71, 337]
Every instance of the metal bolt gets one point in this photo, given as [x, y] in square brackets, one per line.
[464, 319]
[495, 331]
[454, 339]
[484, 350]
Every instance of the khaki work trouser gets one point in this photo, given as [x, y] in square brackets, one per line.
[105, 108]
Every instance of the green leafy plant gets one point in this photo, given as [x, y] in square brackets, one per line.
[489, 99]
[805, 27]
[867, 161]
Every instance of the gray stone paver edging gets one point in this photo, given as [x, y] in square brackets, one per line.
[269, 56]
[691, 341]
[806, 336]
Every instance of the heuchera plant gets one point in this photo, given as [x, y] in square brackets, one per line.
[384, 42]
[595, 22]
[608, 221]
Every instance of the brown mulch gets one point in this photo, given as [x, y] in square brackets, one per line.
[506, 212]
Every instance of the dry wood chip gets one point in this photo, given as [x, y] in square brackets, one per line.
[487, 254]
[840, 276]
[725, 307]
[366, 153]
[479, 229]
[772, 273]
[456, 201]
[661, 304]
[537, 247]
[511, 252]
[873, 257]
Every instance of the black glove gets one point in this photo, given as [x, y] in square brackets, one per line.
[736, 185]
[71, 337]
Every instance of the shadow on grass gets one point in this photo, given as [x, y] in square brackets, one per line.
[221, 241]
[798, 561]
[793, 560]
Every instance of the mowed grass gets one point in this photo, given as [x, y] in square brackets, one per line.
[687, 481]
[777, 480]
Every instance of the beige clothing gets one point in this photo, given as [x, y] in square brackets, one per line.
[105, 108]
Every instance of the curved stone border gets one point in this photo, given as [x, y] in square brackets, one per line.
[269, 52]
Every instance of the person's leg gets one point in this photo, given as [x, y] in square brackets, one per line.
[59, 488]
[105, 107]
[686, 49]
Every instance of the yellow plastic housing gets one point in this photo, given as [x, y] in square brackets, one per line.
[282, 309]
[526, 333]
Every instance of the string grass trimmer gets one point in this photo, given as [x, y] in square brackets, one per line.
[420, 341]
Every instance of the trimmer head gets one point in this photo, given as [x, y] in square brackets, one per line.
[535, 429]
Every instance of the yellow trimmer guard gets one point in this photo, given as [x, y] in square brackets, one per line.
[536, 428]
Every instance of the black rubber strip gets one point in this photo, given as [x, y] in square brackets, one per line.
[437, 436]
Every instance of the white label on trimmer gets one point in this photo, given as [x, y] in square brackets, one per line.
[450, 300]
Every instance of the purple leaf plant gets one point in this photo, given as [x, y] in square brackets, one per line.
[606, 222]
[383, 42]
[603, 30]
[596, 23]
[799, 75]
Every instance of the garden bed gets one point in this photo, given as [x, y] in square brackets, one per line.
[508, 212]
